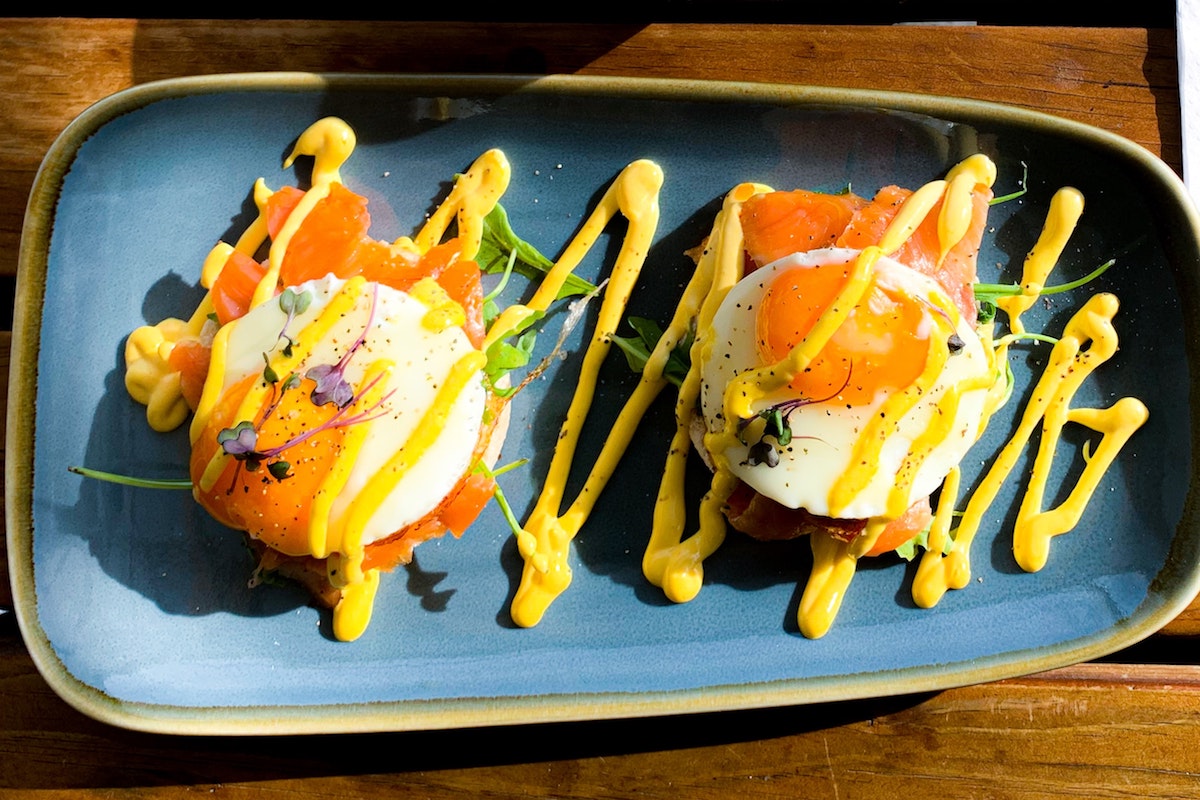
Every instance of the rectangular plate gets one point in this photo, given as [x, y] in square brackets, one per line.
[134, 603]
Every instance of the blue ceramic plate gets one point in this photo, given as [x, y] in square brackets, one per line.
[135, 604]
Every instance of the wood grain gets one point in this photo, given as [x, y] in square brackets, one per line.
[1046, 736]
[1123, 80]
[1105, 729]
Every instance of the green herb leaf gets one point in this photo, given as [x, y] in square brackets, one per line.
[777, 426]
[913, 547]
[637, 349]
[987, 312]
[503, 356]
[498, 494]
[500, 242]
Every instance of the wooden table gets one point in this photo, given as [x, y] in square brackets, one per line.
[1126, 726]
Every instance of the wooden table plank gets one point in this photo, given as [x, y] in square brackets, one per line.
[1045, 736]
[49, 73]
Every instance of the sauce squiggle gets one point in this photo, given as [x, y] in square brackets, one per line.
[674, 561]
[544, 540]
[671, 562]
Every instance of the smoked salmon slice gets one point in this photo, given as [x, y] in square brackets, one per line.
[922, 251]
[777, 224]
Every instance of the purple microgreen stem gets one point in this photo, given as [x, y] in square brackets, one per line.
[335, 421]
[241, 440]
[332, 386]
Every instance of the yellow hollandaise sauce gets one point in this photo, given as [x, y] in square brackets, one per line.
[545, 537]
[316, 430]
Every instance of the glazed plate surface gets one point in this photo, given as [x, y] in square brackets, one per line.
[135, 604]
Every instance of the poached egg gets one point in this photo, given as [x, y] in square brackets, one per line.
[376, 408]
[889, 405]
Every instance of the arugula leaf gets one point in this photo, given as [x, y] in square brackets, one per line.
[503, 357]
[912, 548]
[499, 241]
[637, 349]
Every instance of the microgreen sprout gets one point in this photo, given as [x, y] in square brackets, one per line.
[126, 480]
[1023, 183]
[988, 292]
[331, 386]
[292, 303]
[241, 440]
[331, 383]
[498, 493]
[1025, 335]
[777, 424]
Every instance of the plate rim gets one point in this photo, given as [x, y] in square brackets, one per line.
[1155, 611]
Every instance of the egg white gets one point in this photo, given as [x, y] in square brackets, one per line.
[423, 359]
[823, 434]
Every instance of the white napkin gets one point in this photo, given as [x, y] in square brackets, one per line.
[1187, 31]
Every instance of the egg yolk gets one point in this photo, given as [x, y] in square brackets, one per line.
[881, 347]
[275, 511]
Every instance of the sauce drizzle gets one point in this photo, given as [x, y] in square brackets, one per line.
[675, 562]
[545, 538]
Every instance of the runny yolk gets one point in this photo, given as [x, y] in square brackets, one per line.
[881, 347]
[275, 511]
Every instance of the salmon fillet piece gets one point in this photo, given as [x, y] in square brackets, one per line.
[777, 224]
[956, 272]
